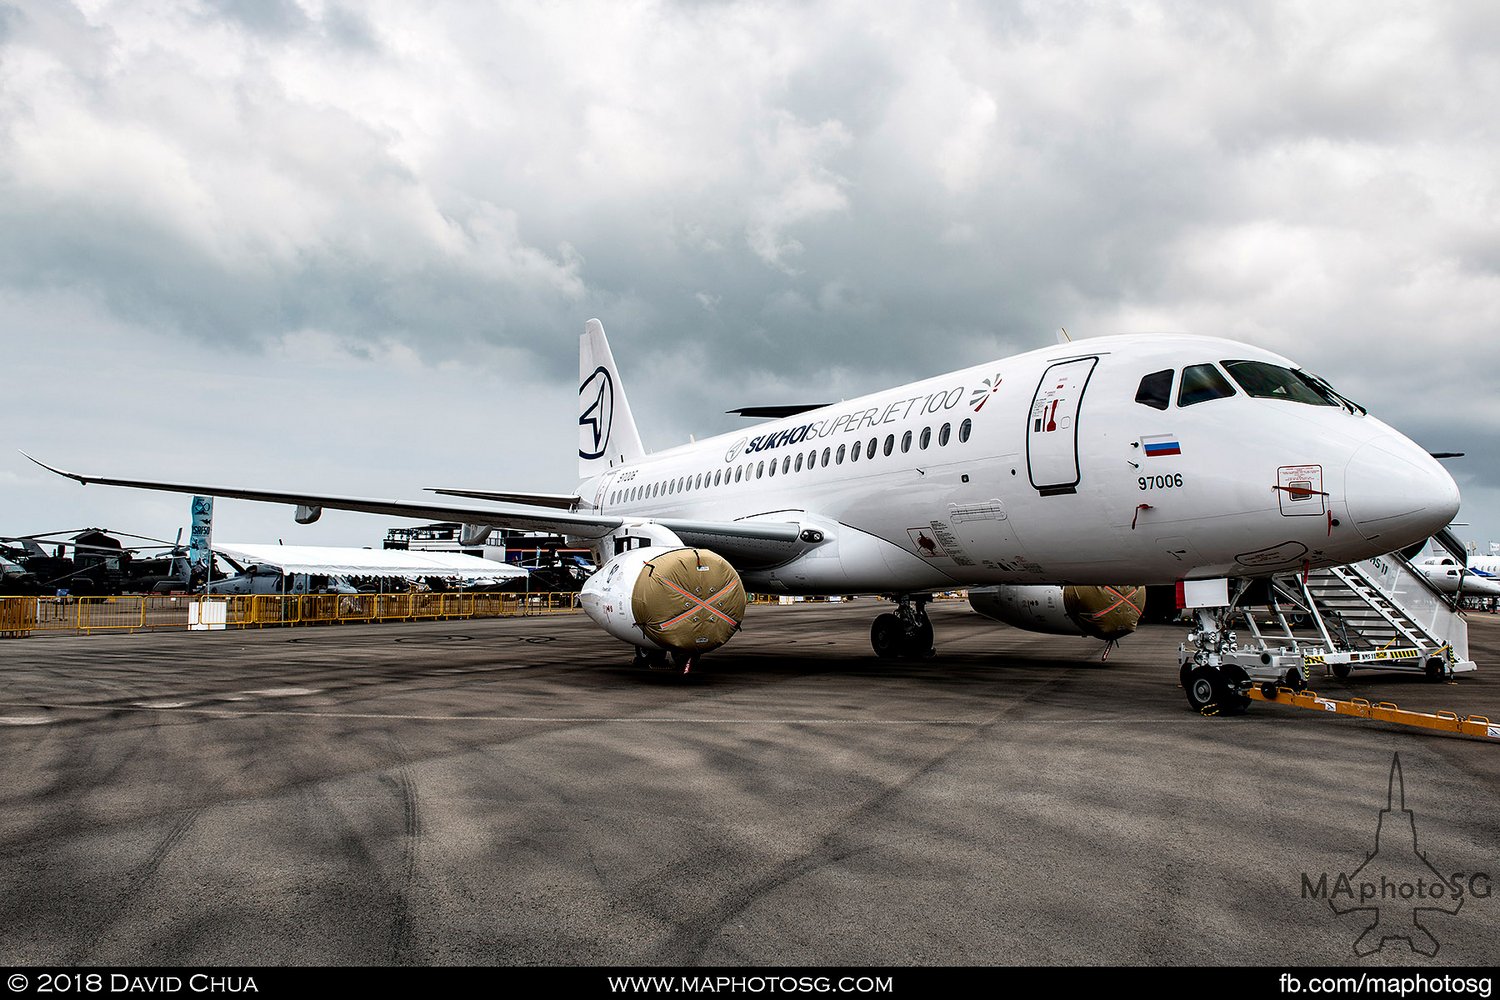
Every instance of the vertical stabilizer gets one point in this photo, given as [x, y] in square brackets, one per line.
[607, 437]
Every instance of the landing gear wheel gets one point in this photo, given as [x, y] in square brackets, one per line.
[1435, 670]
[1184, 676]
[1209, 693]
[888, 636]
[906, 634]
[919, 640]
[1204, 688]
[1342, 671]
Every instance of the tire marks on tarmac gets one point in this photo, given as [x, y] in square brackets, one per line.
[696, 934]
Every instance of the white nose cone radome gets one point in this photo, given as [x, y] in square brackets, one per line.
[1398, 494]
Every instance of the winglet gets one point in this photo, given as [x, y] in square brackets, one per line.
[85, 480]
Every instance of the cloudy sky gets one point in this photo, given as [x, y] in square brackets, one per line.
[349, 247]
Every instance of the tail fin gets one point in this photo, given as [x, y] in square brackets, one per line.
[607, 437]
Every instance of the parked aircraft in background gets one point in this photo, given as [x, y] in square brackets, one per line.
[1453, 577]
[1126, 460]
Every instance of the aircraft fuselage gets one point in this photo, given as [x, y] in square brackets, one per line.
[1139, 459]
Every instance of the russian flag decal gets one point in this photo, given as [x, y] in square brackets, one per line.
[1159, 445]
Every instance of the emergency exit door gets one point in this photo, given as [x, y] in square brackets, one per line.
[1052, 436]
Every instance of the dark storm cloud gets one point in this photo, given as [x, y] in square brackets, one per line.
[771, 200]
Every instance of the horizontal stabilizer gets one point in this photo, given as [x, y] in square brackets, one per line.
[787, 410]
[560, 501]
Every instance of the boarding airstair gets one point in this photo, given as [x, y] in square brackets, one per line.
[1381, 613]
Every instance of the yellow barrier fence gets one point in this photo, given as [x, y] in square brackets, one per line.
[23, 616]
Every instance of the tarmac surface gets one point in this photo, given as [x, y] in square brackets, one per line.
[510, 791]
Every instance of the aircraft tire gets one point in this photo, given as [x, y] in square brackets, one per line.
[1209, 694]
[888, 636]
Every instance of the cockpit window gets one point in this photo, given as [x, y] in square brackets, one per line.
[1268, 381]
[1201, 383]
[1156, 390]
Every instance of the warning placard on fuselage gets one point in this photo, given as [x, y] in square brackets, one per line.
[1299, 490]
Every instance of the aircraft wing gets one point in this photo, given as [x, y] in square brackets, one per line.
[747, 544]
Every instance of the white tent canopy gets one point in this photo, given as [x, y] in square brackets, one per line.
[336, 561]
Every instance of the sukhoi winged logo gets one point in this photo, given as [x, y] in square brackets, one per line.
[597, 398]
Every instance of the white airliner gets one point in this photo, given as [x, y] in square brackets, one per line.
[1122, 460]
[1476, 579]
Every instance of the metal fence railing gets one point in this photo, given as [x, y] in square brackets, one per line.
[22, 616]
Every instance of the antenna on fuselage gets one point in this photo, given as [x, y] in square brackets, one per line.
[1062, 336]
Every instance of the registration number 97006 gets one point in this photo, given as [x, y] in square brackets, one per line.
[1172, 481]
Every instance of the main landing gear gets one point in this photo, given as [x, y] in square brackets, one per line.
[905, 635]
[680, 664]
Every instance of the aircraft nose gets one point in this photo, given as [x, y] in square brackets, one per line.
[1398, 493]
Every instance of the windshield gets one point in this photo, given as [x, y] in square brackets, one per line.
[1267, 381]
[1200, 383]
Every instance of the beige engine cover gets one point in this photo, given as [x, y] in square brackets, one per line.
[1100, 612]
[686, 600]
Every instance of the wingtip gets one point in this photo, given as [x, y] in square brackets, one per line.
[56, 471]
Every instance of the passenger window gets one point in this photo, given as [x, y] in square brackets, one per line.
[838, 456]
[964, 429]
[925, 439]
[906, 442]
[737, 470]
[943, 433]
[826, 453]
[786, 464]
[890, 443]
[760, 469]
[870, 449]
[716, 477]
[1155, 390]
[1200, 383]
[798, 466]
[855, 452]
[773, 467]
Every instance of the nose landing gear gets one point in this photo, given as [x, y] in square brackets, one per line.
[1214, 683]
[907, 634]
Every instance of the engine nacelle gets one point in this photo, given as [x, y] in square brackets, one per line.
[1099, 612]
[684, 600]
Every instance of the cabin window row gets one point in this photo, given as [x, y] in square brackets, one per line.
[791, 464]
